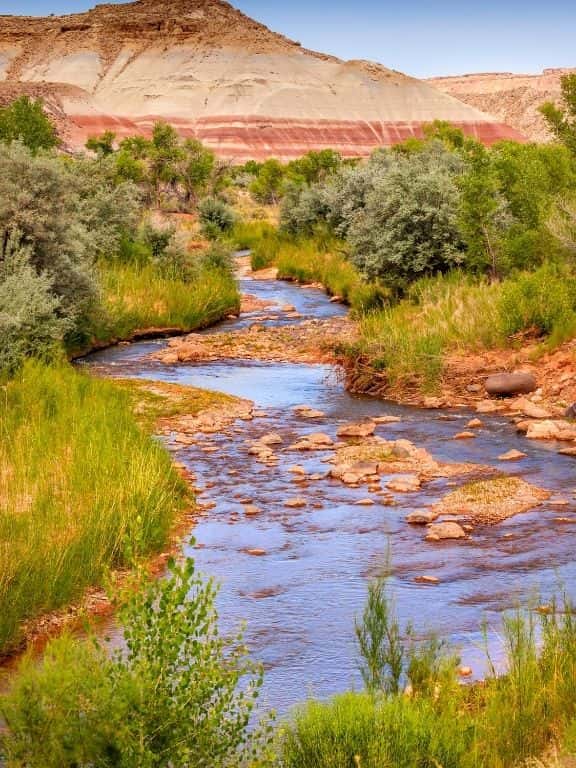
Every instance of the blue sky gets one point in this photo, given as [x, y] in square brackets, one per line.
[420, 37]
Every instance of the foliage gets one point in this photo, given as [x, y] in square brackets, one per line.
[25, 121]
[178, 695]
[267, 186]
[216, 217]
[561, 119]
[408, 227]
[314, 167]
[83, 486]
[102, 145]
[64, 214]
[29, 320]
[543, 301]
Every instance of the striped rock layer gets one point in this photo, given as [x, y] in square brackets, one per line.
[216, 74]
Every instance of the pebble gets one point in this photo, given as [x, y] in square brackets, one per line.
[250, 510]
[427, 580]
[256, 552]
[364, 503]
[512, 455]
[465, 436]
[297, 503]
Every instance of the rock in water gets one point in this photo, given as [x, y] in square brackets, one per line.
[443, 531]
[508, 384]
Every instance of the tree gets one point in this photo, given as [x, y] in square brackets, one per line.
[25, 120]
[408, 227]
[484, 214]
[166, 154]
[266, 188]
[102, 145]
[561, 120]
[198, 167]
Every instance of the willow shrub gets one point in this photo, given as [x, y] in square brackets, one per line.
[177, 694]
[82, 486]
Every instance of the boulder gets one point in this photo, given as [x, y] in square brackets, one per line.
[427, 580]
[551, 430]
[486, 406]
[475, 424]
[445, 531]
[508, 384]
[361, 430]
[250, 510]
[530, 409]
[319, 439]
[273, 438]
[364, 503]
[387, 419]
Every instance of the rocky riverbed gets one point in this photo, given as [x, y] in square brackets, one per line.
[307, 491]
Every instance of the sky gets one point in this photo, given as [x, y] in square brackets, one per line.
[420, 37]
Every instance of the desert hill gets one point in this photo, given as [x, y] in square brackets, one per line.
[214, 73]
[514, 99]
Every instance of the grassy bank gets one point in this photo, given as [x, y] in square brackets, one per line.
[422, 717]
[457, 313]
[83, 486]
[137, 297]
[310, 260]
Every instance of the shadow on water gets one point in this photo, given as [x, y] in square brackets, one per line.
[301, 598]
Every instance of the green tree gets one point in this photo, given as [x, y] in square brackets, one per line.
[102, 145]
[166, 155]
[267, 186]
[198, 167]
[561, 120]
[484, 214]
[25, 120]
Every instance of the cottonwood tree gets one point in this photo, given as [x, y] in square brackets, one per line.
[561, 120]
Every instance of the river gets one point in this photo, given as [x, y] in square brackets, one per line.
[300, 600]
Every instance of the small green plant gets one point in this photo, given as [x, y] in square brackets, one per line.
[379, 642]
[177, 694]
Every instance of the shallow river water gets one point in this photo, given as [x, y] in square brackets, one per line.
[300, 600]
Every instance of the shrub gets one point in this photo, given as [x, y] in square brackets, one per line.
[178, 695]
[29, 322]
[216, 217]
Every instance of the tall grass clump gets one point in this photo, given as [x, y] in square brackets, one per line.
[409, 340]
[82, 486]
[543, 301]
[246, 235]
[314, 260]
[415, 714]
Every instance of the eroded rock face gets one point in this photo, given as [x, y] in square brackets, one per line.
[217, 75]
[512, 98]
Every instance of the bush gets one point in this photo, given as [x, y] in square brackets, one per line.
[178, 694]
[29, 320]
[543, 301]
[216, 217]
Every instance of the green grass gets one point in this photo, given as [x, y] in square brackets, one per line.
[137, 297]
[409, 340]
[501, 723]
[308, 261]
[83, 485]
[246, 235]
